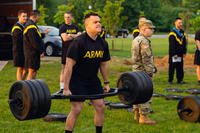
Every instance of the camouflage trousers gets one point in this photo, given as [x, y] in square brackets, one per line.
[143, 108]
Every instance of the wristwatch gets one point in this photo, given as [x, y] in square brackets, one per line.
[106, 82]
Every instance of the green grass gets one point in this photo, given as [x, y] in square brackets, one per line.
[122, 47]
[116, 121]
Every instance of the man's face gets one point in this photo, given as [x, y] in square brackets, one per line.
[22, 18]
[68, 18]
[147, 31]
[179, 24]
[37, 18]
[93, 24]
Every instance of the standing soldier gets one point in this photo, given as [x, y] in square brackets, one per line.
[68, 32]
[142, 58]
[177, 50]
[136, 31]
[17, 38]
[33, 45]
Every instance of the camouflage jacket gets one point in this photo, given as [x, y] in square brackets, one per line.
[142, 55]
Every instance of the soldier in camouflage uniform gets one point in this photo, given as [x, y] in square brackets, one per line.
[142, 58]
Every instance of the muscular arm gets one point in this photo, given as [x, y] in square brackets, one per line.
[104, 73]
[68, 73]
[68, 37]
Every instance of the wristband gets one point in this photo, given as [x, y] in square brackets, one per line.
[106, 82]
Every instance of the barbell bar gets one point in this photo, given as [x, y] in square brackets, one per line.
[31, 99]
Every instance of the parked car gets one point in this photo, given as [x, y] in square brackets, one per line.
[52, 40]
[123, 32]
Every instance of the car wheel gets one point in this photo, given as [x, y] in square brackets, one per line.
[49, 50]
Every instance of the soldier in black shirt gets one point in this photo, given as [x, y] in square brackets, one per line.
[33, 45]
[68, 32]
[177, 50]
[17, 39]
[87, 54]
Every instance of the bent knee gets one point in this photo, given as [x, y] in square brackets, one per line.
[76, 109]
[99, 105]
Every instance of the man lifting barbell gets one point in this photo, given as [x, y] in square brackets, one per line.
[87, 54]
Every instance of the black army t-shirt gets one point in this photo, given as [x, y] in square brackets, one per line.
[88, 54]
[68, 29]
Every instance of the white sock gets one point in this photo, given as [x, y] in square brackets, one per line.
[61, 85]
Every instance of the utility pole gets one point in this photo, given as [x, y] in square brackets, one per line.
[34, 4]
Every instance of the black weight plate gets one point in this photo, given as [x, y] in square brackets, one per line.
[173, 97]
[158, 95]
[128, 88]
[188, 109]
[140, 88]
[141, 94]
[47, 97]
[43, 106]
[193, 91]
[55, 117]
[20, 100]
[118, 106]
[174, 90]
[35, 103]
[40, 95]
[149, 85]
[147, 89]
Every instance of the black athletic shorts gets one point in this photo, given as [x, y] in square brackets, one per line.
[64, 54]
[33, 62]
[18, 60]
[85, 88]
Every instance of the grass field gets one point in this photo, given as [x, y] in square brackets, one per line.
[122, 47]
[116, 121]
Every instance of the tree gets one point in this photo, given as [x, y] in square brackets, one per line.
[43, 15]
[111, 16]
[195, 23]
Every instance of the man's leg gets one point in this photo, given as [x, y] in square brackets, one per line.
[19, 73]
[31, 74]
[99, 114]
[136, 112]
[171, 72]
[198, 73]
[179, 71]
[62, 77]
[24, 73]
[144, 110]
[76, 108]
